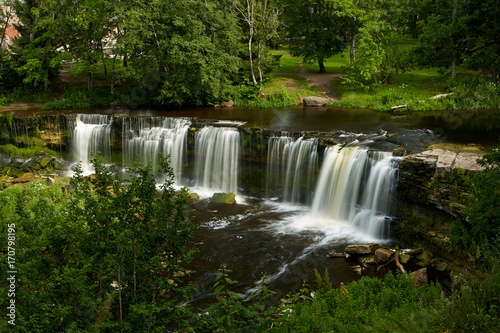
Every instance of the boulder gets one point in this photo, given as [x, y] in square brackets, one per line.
[404, 258]
[419, 277]
[383, 255]
[44, 161]
[223, 198]
[315, 101]
[362, 249]
[192, 197]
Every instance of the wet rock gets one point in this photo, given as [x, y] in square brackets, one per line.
[404, 258]
[50, 181]
[442, 266]
[335, 255]
[369, 260]
[315, 101]
[44, 161]
[383, 255]
[424, 259]
[361, 249]
[399, 151]
[223, 198]
[419, 277]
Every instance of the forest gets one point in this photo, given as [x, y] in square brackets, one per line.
[113, 251]
[131, 53]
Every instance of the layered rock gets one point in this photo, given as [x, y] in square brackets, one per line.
[437, 177]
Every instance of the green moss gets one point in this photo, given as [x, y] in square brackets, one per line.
[13, 151]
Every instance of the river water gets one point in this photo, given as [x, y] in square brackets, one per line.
[322, 203]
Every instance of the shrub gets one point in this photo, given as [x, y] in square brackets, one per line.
[479, 233]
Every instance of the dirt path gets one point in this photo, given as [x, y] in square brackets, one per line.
[20, 106]
[323, 80]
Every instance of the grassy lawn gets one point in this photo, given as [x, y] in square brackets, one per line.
[332, 65]
[288, 64]
[295, 86]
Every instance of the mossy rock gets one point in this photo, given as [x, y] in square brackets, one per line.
[45, 161]
[223, 198]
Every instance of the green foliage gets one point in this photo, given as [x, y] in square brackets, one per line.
[366, 305]
[377, 46]
[80, 98]
[479, 233]
[479, 93]
[231, 314]
[8, 75]
[317, 29]
[276, 99]
[30, 94]
[102, 258]
[32, 151]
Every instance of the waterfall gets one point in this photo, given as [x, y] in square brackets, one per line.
[216, 158]
[291, 167]
[91, 135]
[356, 186]
[144, 138]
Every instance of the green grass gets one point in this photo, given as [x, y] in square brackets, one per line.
[288, 64]
[332, 65]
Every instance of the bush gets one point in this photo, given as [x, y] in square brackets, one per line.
[277, 99]
[479, 233]
[80, 98]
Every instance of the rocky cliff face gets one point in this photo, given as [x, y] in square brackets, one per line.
[438, 178]
[432, 192]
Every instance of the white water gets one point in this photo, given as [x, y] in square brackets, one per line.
[355, 186]
[91, 135]
[144, 138]
[291, 166]
[217, 151]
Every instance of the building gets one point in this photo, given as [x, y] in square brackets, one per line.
[7, 21]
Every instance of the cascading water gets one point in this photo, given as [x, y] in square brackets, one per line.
[144, 138]
[217, 151]
[291, 166]
[355, 186]
[91, 135]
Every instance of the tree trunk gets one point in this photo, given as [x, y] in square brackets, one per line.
[104, 61]
[251, 25]
[259, 51]
[113, 75]
[321, 64]
[352, 52]
[453, 67]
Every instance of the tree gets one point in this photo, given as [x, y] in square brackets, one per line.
[461, 31]
[383, 24]
[104, 257]
[138, 241]
[441, 34]
[317, 28]
[86, 26]
[37, 44]
[262, 19]
[187, 48]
